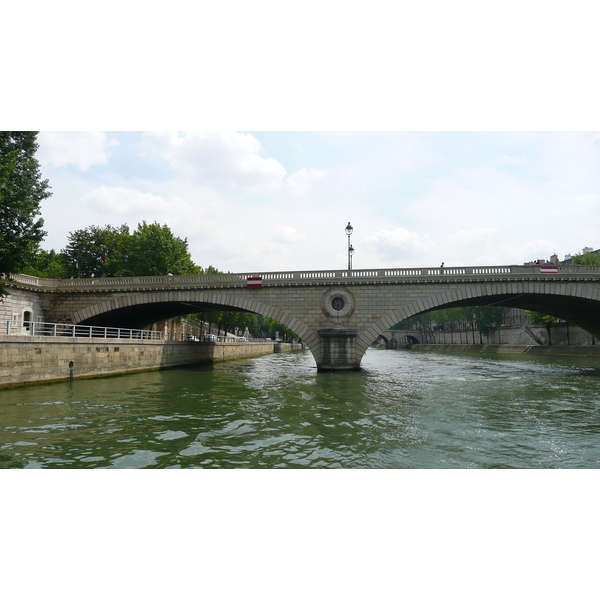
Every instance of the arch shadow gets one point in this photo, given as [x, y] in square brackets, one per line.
[557, 299]
[141, 310]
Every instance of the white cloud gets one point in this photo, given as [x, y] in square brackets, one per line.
[127, 202]
[228, 157]
[398, 247]
[81, 149]
[474, 236]
[302, 181]
[587, 202]
[517, 161]
[287, 235]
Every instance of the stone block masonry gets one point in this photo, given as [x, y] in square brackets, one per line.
[358, 305]
[37, 359]
[510, 349]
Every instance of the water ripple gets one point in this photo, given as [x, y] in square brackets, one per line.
[403, 410]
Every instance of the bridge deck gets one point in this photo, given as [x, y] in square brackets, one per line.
[292, 278]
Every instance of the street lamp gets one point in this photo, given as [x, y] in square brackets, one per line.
[349, 231]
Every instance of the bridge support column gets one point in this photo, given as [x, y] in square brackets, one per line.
[337, 344]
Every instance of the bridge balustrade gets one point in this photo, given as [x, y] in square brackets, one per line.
[240, 279]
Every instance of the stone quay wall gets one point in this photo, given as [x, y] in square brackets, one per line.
[38, 359]
[510, 349]
[561, 333]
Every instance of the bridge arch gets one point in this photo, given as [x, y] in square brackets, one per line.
[563, 300]
[142, 309]
[384, 339]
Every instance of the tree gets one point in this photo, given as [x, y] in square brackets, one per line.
[587, 258]
[47, 263]
[284, 333]
[489, 318]
[154, 250]
[547, 321]
[101, 251]
[485, 318]
[115, 252]
[210, 270]
[21, 192]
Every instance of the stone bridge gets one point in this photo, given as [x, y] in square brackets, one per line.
[338, 314]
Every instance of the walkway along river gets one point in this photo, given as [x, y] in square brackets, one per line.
[34, 358]
[403, 410]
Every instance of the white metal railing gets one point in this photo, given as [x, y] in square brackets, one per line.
[70, 330]
[236, 340]
[304, 277]
[11, 327]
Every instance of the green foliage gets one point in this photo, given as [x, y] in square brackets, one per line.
[489, 318]
[47, 263]
[100, 251]
[547, 321]
[258, 325]
[210, 270]
[154, 250]
[115, 252]
[587, 258]
[263, 324]
[284, 333]
[537, 318]
[21, 192]
[420, 321]
[486, 319]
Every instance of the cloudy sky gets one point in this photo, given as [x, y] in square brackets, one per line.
[270, 201]
[453, 132]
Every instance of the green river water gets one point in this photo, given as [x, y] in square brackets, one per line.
[404, 410]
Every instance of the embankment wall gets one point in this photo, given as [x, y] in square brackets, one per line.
[562, 333]
[37, 359]
[513, 349]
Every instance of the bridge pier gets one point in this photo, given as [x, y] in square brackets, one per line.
[337, 349]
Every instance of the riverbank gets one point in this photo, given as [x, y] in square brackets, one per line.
[26, 360]
[553, 350]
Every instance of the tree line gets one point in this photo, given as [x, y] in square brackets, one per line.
[151, 249]
[483, 319]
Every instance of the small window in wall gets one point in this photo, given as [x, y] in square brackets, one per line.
[27, 317]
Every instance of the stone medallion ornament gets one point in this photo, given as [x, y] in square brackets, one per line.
[337, 305]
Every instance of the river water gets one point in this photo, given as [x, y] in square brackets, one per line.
[404, 410]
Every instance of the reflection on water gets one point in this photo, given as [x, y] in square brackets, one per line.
[403, 410]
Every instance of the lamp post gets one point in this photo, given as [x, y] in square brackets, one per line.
[349, 231]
